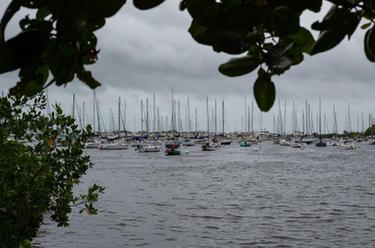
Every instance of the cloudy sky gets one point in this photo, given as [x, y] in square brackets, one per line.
[146, 52]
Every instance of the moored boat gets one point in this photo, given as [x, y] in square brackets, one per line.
[208, 146]
[245, 143]
[113, 146]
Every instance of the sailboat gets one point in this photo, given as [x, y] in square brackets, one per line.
[320, 143]
[148, 147]
[172, 148]
[224, 141]
[208, 146]
[113, 146]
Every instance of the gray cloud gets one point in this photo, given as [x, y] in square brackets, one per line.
[151, 51]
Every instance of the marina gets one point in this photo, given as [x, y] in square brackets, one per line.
[265, 195]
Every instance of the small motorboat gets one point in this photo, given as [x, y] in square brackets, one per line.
[92, 145]
[297, 145]
[245, 143]
[148, 148]
[207, 147]
[226, 142]
[172, 149]
[188, 142]
[113, 146]
[285, 142]
[348, 146]
[172, 152]
[321, 143]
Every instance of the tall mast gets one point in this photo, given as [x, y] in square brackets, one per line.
[285, 117]
[158, 120]
[93, 111]
[196, 120]
[83, 113]
[124, 117]
[334, 130]
[349, 120]
[248, 118]
[188, 110]
[98, 115]
[119, 116]
[320, 116]
[245, 126]
[48, 105]
[252, 117]
[208, 120]
[147, 118]
[222, 116]
[363, 123]
[179, 116]
[306, 118]
[141, 114]
[74, 106]
[154, 113]
[303, 122]
[172, 115]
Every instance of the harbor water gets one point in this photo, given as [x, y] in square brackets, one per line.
[272, 196]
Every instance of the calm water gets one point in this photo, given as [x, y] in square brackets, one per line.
[232, 197]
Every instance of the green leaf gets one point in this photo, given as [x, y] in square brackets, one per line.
[369, 44]
[72, 25]
[62, 59]
[104, 8]
[303, 39]
[22, 49]
[33, 77]
[228, 41]
[34, 4]
[282, 56]
[207, 13]
[87, 78]
[313, 5]
[285, 21]
[42, 13]
[239, 66]
[146, 4]
[366, 25]
[328, 40]
[242, 17]
[338, 23]
[264, 91]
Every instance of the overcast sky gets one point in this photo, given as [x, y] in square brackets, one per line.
[146, 52]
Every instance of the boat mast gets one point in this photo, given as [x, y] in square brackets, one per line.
[188, 113]
[98, 115]
[83, 113]
[245, 121]
[141, 114]
[320, 117]
[154, 113]
[172, 115]
[208, 120]
[252, 117]
[215, 116]
[119, 116]
[94, 112]
[222, 116]
[179, 116]
[196, 120]
[74, 106]
[147, 118]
